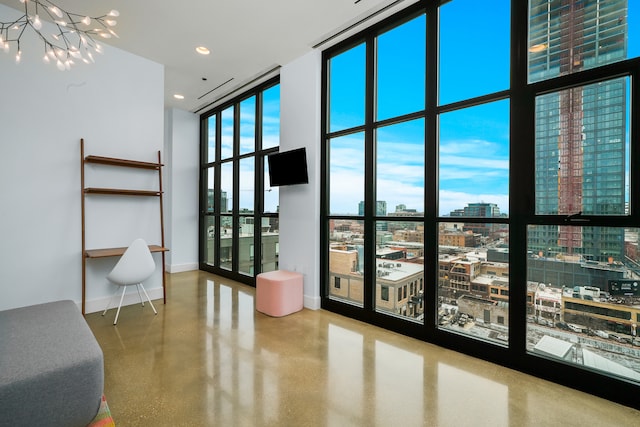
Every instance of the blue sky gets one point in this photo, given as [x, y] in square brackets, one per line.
[473, 143]
[474, 153]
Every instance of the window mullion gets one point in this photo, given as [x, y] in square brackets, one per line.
[431, 174]
[369, 182]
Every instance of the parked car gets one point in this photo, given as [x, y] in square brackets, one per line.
[562, 325]
[601, 333]
[575, 328]
[542, 321]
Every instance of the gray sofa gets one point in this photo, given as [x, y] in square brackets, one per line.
[51, 367]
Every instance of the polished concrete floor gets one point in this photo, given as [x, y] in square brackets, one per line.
[209, 359]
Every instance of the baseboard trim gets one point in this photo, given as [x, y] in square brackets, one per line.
[179, 268]
[312, 302]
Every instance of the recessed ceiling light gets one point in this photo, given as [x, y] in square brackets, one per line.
[202, 50]
[178, 96]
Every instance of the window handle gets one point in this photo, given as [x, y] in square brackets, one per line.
[576, 217]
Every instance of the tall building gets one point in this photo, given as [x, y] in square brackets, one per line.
[381, 210]
[580, 132]
[479, 210]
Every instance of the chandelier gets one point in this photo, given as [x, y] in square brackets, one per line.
[73, 38]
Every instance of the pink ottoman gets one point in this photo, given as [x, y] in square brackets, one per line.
[279, 293]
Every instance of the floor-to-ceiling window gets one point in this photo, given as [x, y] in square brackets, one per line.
[478, 183]
[239, 208]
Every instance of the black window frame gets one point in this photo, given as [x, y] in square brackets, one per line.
[522, 96]
[259, 154]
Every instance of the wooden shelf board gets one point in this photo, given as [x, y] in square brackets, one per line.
[121, 192]
[111, 252]
[111, 161]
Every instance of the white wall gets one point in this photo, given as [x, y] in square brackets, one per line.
[182, 148]
[300, 89]
[116, 105]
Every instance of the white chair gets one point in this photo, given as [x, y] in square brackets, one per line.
[135, 266]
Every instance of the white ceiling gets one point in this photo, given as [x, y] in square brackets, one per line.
[247, 38]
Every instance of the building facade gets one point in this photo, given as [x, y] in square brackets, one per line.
[580, 155]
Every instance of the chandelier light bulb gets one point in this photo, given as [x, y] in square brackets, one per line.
[46, 59]
[60, 65]
[37, 23]
[18, 56]
[56, 11]
[111, 22]
[61, 23]
[86, 20]
[114, 12]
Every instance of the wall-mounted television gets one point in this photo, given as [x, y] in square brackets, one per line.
[288, 168]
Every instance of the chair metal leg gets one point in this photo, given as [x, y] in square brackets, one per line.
[124, 289]
[139, 294]
[110, 299]
[149, 299]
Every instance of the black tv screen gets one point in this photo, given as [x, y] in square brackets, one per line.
[288, 168]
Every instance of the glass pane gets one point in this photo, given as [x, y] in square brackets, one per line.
[400, 269]
[347, 89]
[473, 280]
[226, 144]
[209, 240]
[346, 261]
[582, 150]
[570, 36]
[400, 167]
[247, 183]
[474, 49]
[271, 194]
[226, 187]
[271, 117]
[474, 161]
[211, 138]
[270, 244]
[585, 312]
[346, 174]
[248, 125]
[226, 242]
[401, 69]
[246, 245]
[210, 189]
[633, 29]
